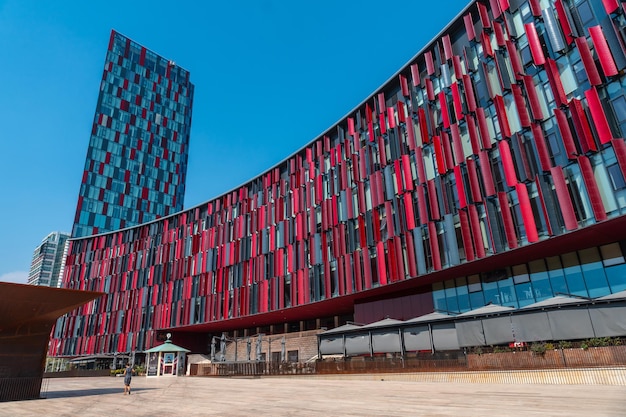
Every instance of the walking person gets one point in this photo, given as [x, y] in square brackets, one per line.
[128, 375]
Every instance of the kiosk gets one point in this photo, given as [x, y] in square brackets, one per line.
[167, 359]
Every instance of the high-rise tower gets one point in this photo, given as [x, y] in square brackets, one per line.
[46, 267]
[137, 156]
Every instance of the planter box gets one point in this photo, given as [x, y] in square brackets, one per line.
[558, 358]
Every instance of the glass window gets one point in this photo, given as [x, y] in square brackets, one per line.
[490, 290]
[439, 297]
[557, 276]
[451, 298]
[573, 275]
[462, 294]
[616, 275]
[476, 299]
[612, 254]
[593, 272]
[617, 179]
[507, 292]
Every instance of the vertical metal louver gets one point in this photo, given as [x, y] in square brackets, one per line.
[552, 30]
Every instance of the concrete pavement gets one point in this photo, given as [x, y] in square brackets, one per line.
[306, 396]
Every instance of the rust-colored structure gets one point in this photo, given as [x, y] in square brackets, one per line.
[27, 315]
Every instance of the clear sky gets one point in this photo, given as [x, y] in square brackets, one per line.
[269, 75]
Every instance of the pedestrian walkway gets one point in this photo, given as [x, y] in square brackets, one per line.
[304, 396]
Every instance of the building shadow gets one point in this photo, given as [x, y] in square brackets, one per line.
[88, 392]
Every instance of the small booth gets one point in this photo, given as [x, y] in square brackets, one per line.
[167, 359]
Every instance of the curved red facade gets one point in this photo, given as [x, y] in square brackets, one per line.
[401, 197]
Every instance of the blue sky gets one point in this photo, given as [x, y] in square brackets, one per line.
[269, 77]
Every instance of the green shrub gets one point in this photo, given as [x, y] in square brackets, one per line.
[501, 349]
[549, 346]
[538, 348]
[565, 344]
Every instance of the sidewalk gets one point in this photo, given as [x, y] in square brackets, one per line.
[301, 396]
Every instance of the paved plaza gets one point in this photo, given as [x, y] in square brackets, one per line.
[302, 396]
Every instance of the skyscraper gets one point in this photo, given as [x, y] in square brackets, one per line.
[137, 156]
[46, 267]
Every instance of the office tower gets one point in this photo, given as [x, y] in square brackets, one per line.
[137, 156]
[46, 267]
[488, 170]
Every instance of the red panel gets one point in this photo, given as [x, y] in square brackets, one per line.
[588, 62]
[460, 189]
[610, 5]
[477, 235]
[456, 100]
[482, 128]
[555, 82]
[469, 26]
[544, 209]
[445, 116]
[485, 41]
[470, 99]
[563, 196]
[495, 9]
[542, 149]
[507, 163]
[459, 155]
[565, 25]
[447, 150]
[381, 103]
[408, 211]
[534, 43]
[533, 99]
[527, 213]
[380, 262]
[499, 32]
[441, 167]
[598, 116]
[410, 254]
[485, 170]
[484, 15]
[433, 201]
[430, 92]
[471, 128]
[509, 227]
[602, 50]
[520, 104]
[407, 175]
[503, 119]
[410, 133]
[367, 271]
[516, 63]
[566, 134]
[458, 69]
[535, 7]
[473, 180]
[466, 236]
[592, 188]
[415, 75]
[430, 65]
[447, 47]
[398, 172]
[358, 277]
[434, 246]
[404, 85]
[350, 126]
[581, 124]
